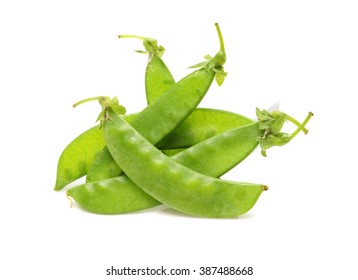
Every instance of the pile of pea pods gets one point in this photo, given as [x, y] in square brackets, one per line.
[172, 152]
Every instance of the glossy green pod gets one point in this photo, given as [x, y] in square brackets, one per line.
[212, 157]
[168, 110]
[158, 79]
[200, 125]
[83, 155]
[77, 157]
[171, 183]
[204, 157]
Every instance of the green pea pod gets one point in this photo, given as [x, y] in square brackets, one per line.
[78, 157]
[115, 195]
[200, 125]
[158, 79]
[173, 106]
[84, 152]
[172, 183]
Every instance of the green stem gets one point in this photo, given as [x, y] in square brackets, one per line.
[132, 36]
[151, 45]
[96, 98]
[295, 122]
[106, 104]
[301, 126]
[221, 55]
[222, 46]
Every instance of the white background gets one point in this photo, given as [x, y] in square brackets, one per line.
[301, 53]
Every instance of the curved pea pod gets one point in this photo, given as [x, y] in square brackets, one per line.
[204, 158]
[219, 154]
[200, 125]
[207, 157]
[158, 79]
[82, 152]
[170, 109]
[104, 197]
[173, 107]
[172, 183]
[78, 156]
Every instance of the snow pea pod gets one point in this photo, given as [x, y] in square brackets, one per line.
[78, 156]
[114, 195]
[173, 106]
[158, 78]
[83, 155]
[172, 183]
[200, 125]
[120, 195]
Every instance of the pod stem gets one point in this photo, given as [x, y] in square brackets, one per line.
[271, 125]
[297, 123]
[221, 55]
[150, 45]
[216, 63]
[107, 104]
[96, 98]
[300, 127]
[131, 36]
